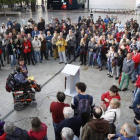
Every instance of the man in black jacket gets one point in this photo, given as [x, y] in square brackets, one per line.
[41, 25]
[70, 121]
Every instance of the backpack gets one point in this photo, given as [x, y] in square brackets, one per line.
[10, 83]
[83, 106]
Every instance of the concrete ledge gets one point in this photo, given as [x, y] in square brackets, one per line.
[9, 13]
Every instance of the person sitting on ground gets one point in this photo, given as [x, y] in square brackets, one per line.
[112, 114]
[38, 131]
[70, 121]
[11, 132]
[96, 129]
[113, 93]
[127, 132]
[68, 134]
[80, 100]
[56, 108]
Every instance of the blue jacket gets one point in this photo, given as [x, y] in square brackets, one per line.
[18, 134]
[124, 138]
[9, 23]
[34, 33]
[106, 20]
[20, 79]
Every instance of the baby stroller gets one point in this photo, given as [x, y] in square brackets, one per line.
[22, 95]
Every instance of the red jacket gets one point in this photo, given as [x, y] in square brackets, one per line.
[28, 43]
[3, 137]
[136, 59]
[138, 82]
[39, 135]
[107, 95]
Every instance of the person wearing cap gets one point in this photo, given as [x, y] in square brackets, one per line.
[128, 68]
[136, 59]
[3, 28]
[37, 47]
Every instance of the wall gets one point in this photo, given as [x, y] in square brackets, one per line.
[112, 4]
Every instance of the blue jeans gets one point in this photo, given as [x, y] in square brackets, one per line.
[137, 129]
[78, 51]
[99, 61]
[136, 98]
[13, 60]
[109, 66]
[49, 47]
[55, 125]
[135, 72]
[91, 58]
[39, 55]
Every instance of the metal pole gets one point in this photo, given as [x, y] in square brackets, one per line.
[88, 4]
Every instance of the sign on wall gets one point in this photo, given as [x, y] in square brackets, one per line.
[112, 4]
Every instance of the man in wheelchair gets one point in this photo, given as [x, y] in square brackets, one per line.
[22, 82]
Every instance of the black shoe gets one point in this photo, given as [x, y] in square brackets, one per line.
[119, 89]
[65, 63]
[132, 91]
[28, 63]
[35, 62]
[60, 62]
[3, 65]
[116, 78]
[110, 76]
[106, 68]
[131, 107]
[81, 64]
[125, 89]
[100, 69]
[133, 81]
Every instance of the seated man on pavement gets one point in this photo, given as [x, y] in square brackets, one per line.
[11, 132]
[127, 132]
[113, 93]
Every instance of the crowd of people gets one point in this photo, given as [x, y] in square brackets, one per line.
[106, 42]
[82, 120]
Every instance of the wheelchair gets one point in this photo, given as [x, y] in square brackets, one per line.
[25, 96]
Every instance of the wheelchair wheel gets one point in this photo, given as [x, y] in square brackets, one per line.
[18, 106]
[33, 104]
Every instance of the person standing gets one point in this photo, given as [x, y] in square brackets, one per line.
[55, 48]
[56, 108]
[61, 43]
[128, 68]
[37, 46]
[97, 129]
[27, 50]
[83, 51]
[71, 40]
[12, 52]
[43, 47]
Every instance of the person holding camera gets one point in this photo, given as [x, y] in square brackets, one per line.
[61, 43]
[71, 40]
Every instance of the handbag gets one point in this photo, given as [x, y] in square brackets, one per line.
[112, 127]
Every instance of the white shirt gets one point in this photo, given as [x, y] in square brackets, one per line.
[109, 115]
